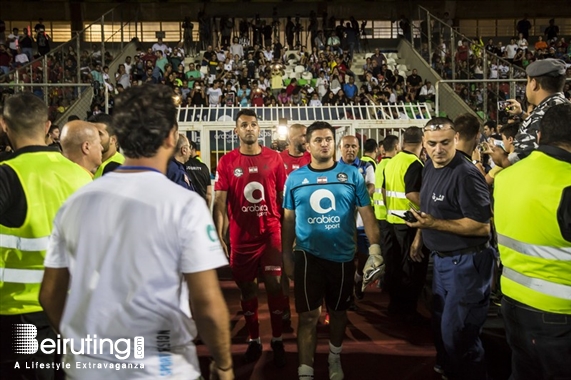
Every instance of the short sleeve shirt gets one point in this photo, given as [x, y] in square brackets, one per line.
[453, 192]
[252, 184]
[324, 203]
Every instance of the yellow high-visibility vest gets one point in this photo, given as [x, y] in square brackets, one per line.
[48, 179]
[395, 192]
[535, 255]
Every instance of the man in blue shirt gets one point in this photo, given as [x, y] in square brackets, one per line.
[454, 224]
[176, 171]
[319, 214]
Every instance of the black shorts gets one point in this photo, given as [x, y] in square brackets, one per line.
[316, 278]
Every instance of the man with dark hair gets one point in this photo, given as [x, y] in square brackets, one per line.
[509, 132]
[176, 171]
[370, 152]
[52, 138]
[404, 278]
[545, 82]
[34, 183]
[534, 237]
[249, 188]
[102, 277]
[468, 128]
[112, 159]
[454, 223]
[199, 174]
[319, 215]
[490, 128]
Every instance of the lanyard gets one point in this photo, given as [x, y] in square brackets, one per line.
[141, 168]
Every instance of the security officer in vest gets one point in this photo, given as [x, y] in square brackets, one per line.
[455, 226]
[533, 222]
[404, 278]
[390, 148]
[34, 183]
[349, 146]
[112, 159]
[370, 152]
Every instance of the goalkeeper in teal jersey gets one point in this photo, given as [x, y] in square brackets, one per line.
[319, 214]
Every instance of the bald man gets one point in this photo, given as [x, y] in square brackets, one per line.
[81, 144]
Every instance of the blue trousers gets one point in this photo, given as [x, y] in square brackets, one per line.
[540, 342]
[461, 294]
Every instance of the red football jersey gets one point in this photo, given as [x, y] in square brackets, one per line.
[252, 184]
[292, 163]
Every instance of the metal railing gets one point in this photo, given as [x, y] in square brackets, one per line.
[73, 62]
[371, 113]
[448, 53]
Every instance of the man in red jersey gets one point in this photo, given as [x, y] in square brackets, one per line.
[249, 186]
[294, 157]
[296, 154]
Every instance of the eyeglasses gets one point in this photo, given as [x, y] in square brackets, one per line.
[438, 127]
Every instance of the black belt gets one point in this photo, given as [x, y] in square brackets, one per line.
[475, 249]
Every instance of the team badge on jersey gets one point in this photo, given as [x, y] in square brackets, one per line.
[253, 169]
[342, 177]
[238, 172]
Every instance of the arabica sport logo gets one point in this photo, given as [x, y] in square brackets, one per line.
[25, 342]
[316, 201]
[254, 193]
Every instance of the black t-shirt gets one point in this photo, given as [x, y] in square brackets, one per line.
[412, 177]
[453, 192]
[13, 206]
[199, 176]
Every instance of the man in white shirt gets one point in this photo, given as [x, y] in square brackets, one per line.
[159, 45]
[511, 49]
[214, 94]
[427, 92]
[122, 280]
[13, 40]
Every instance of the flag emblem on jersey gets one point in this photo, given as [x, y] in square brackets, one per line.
[321, 179]
[238, 172]
[253, 169]
[305, 180]
[295, 167]
[342, 177]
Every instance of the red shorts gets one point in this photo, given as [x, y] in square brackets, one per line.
[247, 260]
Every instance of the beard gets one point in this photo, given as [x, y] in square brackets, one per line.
[301, 148]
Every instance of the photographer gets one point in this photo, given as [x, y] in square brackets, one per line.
[197, 97]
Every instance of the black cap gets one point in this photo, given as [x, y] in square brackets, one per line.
[546, 67]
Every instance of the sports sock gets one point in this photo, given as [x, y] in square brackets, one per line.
[276, 304]
[250, 309]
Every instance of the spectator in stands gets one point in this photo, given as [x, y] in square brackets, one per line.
[523, 26]
[427, 92]
[540, 44]
[379, 57]
[214, 94]
[414, 80]
[26, 44]
[551, 31]
[522, 42]
[43, 41]
[5, 60]
[20, 58]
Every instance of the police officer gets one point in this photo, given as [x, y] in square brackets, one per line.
[404, 278]
[34, 183]
[545, 82]
[455, 225]
[533, 222]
